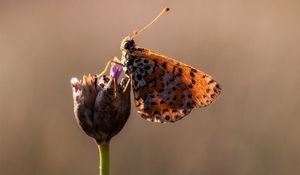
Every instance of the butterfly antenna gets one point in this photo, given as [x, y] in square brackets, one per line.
[136, 33]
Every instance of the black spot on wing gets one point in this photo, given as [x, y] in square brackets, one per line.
[164, 65]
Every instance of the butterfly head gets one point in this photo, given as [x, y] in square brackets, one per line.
[127, 44]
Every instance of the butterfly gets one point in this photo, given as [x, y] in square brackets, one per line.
[165, 90]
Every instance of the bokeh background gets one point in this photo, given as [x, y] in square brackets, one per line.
[252, 47]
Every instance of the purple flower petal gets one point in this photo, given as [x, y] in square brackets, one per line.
[115, 71]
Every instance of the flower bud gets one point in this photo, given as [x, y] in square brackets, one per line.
[101, 107]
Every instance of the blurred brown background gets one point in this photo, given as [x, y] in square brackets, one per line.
[250, 47]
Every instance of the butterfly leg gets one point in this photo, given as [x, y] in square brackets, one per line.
[127, 83]
[108, 64]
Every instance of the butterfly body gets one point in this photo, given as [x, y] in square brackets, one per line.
[165, 90]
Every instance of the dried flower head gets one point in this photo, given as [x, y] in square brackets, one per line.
[101, 107]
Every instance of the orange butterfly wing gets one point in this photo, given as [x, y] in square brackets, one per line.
[173, 88]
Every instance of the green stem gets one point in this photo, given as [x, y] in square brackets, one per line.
[104, 159]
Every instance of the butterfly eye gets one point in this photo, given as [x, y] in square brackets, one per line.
[129, 44]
